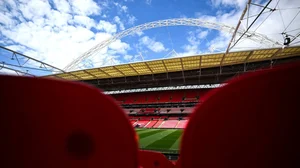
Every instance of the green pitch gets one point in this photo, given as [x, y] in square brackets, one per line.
[163, 140]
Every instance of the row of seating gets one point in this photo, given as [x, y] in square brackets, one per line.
[171, 123]
[159, 110]
[158, 118]
[160, 97]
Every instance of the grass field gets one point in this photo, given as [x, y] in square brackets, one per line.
[163, 140]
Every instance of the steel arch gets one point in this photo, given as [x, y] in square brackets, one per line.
[172, 22]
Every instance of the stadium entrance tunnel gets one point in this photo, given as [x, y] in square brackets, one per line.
[250, 122]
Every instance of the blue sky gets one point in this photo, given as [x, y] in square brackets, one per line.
[59, 31]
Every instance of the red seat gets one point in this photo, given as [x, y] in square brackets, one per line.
[252, 122]
[164, 97]
[50, 123]
[177, 96]
[152, 97]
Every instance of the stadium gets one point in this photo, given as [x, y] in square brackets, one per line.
[159, 104]
[160, 97]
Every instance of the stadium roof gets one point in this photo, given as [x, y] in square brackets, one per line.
[180, 64]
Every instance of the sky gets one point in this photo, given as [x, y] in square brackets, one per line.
[59, 31]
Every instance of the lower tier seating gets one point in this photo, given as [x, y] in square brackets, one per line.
[158, 121]
[169, 124]
[182, 124]
[157, 124]
[151, 124]
[141, 123]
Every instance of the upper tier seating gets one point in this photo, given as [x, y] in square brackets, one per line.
[191, 94]
[177, 96]
[161, 96]
[164, 97]
[152, 97]
[201, 94]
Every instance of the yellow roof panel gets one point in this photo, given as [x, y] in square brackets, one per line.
[155, 62]
[212, 57]
[260, 52]
[260, 56]
[210, 64]
[289, 50]
[179, 64]
[92, 70]
[158, 70]
[193, 58]
[238, 54]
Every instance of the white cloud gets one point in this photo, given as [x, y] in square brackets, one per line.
[55, 18]
[34, 9]
[194, 38]
[85, 7]
[119, 47]
[57, 36]
[121, 8]
[131, 19]
[192, 47]
[4, 71]
[84, 21]
[107, 26]
[219, 43]
[118, 21]
[62, 5]
[152, 44]
[202, 34]
[124, 8]
[139, 33]
[6, 20]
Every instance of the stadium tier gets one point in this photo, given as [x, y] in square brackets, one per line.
[163, 109]
[171, 108]
[174, 96]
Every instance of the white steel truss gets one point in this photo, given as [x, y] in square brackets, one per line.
[256, 37]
